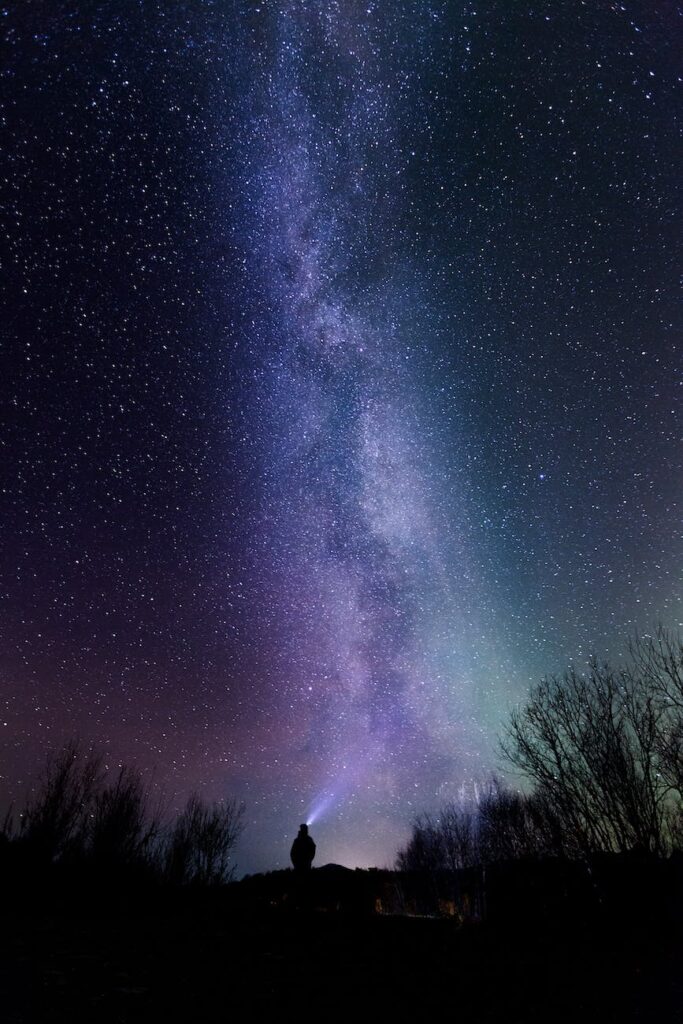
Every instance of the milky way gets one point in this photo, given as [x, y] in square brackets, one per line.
[341, 403]
[373, 580]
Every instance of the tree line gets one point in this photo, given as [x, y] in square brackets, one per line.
[86, 820]
[600, 759]
[599, 756]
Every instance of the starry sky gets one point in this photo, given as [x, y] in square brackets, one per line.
[338, 388]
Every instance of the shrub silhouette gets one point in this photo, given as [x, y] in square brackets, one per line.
[54, 824]
[122, 831]
[86, 816]
[201, 842]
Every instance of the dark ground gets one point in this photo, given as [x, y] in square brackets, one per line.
[209, 964]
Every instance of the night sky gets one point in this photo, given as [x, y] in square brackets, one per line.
[338, 388]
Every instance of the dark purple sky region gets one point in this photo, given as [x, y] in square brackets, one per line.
[339, 388]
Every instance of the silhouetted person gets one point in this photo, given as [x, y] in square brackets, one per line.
[303, 850]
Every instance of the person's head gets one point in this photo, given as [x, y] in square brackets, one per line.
[303, 830]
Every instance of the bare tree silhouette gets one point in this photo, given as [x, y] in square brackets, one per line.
[202, 840]
[601, 758]
[54, 824]
[604, 750]
[122, 830]
[84, 814]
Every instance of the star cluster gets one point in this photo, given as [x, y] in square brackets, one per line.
[339, 400]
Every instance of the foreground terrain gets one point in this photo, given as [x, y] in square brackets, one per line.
[208, 963]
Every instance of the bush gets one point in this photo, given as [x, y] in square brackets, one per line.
[87, 817]
[201, 842]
